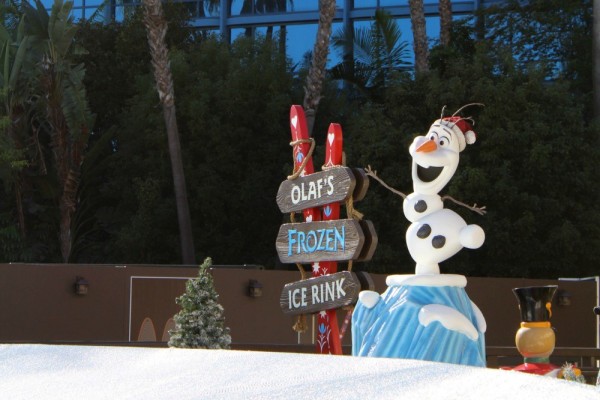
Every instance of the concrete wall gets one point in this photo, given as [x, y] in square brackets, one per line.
[38, 302]
[134, 303]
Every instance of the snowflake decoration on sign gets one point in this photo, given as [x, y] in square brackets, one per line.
[316, 267]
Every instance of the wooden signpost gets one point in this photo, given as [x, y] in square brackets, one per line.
[318, 189]
[335, 240]
[320, 293]
[322, 239]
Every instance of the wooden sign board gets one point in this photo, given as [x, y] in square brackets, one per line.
[336, 240]
[318, 294]
[325, 187]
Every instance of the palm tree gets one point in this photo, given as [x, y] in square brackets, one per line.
[156, 29]
[316, 73]
[445, 8]
[377, 52]
[417, 19]
[65, 114]
[14, 97]
[596, 58]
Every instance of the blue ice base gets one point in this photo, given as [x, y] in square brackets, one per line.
[392, 328]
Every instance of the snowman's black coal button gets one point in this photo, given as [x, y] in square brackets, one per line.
[424, 231]
[420, 206]
[438, 241]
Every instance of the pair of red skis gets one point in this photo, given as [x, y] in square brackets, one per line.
[328, 337]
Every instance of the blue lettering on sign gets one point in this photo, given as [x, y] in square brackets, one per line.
[327, 240]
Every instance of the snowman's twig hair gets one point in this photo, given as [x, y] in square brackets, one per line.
[467, 105]
[478, 210]
[442, 114]
[373, 174]
[470, 119]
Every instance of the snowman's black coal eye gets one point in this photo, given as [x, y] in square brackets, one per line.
[442, 143]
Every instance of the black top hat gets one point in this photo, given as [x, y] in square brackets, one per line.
[533, 301]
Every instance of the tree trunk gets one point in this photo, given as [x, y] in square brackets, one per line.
[156, 29]
[417, 19]
[66, 153]
[316, 73]
[282, 39]
[68, 204]
[596, 57]
[445, 8]
[16, 116]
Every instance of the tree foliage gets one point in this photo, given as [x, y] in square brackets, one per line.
[200, 324]
[232, 103]
[532, 165]
[379, 53]
[48, 122]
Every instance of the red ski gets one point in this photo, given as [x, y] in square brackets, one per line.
[328, 335]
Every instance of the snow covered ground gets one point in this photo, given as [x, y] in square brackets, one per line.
[87, 372]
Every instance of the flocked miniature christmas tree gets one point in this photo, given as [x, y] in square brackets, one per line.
[200, 323]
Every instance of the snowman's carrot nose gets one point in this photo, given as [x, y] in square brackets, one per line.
[427, 146]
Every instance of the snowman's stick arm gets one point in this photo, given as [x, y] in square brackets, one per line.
[478, 210]
[373, 174]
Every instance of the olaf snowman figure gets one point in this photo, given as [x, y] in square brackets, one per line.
[437, 233]
[428, 315]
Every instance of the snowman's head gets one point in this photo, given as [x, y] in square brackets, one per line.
[436, 154]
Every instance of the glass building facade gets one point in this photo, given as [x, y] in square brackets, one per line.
[232, 18]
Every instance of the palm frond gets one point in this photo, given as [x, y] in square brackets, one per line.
[378, 51]
[61, 30]
[74, 104]
[18, 62]
[37, 19]
[389, 30]
[363, 45]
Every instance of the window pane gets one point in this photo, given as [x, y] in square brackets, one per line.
[237, 7]
[301, 40]
[405, 30]
[384, 3]
[90, 3]
[365, 3]
[306, 5]
[259, 30]
[273, 6]
[246, 7]
[237, 32]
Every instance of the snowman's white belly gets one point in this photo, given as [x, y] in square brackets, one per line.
[418, 205]
[435, 237]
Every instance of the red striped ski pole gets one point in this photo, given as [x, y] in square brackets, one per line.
[303, 159]
[328, 336]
